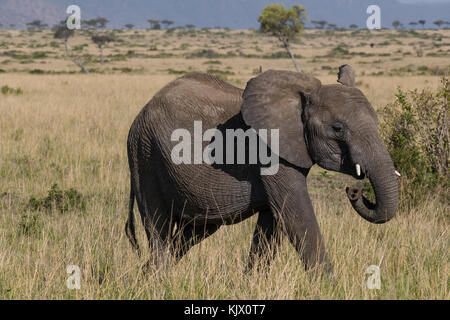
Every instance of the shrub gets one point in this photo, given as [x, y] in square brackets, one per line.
[204, 53]
[59, 200]
[339, 50]
[30, 224]
[37, 71]
[415, 131]
[220, 73]
[173, 71]
[39, 55]
[212, 62]
[7, 90]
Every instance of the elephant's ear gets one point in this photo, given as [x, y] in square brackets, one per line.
[346, 75]
[273, 100]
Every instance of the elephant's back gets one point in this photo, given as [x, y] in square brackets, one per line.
[195, 97]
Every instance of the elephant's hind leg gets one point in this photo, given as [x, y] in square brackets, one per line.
[266, 239]
[157, 221]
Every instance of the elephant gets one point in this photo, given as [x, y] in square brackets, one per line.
[182, 203]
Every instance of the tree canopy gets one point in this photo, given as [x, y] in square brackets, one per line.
[36, 25]
[285, 24]
[396, 24]
[101, 40]
[154, 24]
[439, 23]
[97, 23]
[281, 22]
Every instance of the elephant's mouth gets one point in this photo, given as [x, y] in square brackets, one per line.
[358, 171]
[351, 167]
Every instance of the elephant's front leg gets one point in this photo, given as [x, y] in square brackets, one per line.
[266, 239]
[289, 199]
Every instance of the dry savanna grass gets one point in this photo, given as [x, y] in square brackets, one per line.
[70, 129]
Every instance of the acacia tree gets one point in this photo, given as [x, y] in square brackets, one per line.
[101, 22]
[396, 24]
[332, 26]
[167, 23]
[96, 23]
[36, 25]
[100, 41]
[285, 24]
[422, 22]
[319, 24]
[62, 32]
[154, 24]
[439, 23]
[129, 26]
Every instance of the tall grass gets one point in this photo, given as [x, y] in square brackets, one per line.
[71, 131]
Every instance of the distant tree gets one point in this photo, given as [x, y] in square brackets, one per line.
[319, 24]
[36, 25]
[90, 24]
[129, 26]
[413, 24]
[439, 23]
[190, 26]
[154, 24]
[285, 24]
[12, 25]
[62, 32]
[422, 22]
[396, 24]
[100, 41]
[332, 26]
[96, 23]
[353, 26]
[314, 22]
[101, 22]
[167, 23]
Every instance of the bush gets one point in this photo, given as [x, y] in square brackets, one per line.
[339, 50]
[7, 90]
[415, 131]
[30, 224]
[204, 53]
[37, 71]
[59, 200]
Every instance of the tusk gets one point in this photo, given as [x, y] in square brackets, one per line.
[397, 173]
[358, 170]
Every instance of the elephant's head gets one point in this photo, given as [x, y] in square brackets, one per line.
[331, 125]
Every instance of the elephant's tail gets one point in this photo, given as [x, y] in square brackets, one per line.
[129, 226]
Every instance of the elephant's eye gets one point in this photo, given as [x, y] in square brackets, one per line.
[338, 127]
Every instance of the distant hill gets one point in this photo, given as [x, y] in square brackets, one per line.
[234, 14]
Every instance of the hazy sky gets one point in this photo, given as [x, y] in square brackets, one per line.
[424, 1]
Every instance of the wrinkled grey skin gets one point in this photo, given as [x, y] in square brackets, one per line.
[333, 126]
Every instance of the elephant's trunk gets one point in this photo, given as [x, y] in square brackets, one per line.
[381, 173]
